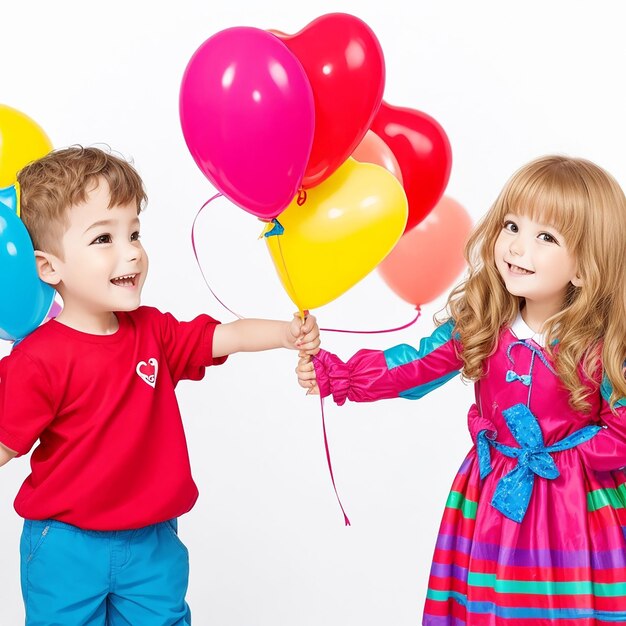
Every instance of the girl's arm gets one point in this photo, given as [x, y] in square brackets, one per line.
[606, 452]
[402, 371]
[252, 335]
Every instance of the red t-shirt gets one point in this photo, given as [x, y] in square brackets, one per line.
[112, 452]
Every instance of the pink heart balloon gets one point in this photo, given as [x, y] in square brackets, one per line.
[246, 111]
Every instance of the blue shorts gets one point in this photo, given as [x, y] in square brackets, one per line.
[74, 577]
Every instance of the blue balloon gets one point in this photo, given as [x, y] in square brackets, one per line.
[24, 298]
[8, 197]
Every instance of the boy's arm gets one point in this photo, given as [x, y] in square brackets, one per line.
[253, 335]
[6, 454]
[26, 403]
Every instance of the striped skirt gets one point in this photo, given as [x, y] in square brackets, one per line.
[564, 564]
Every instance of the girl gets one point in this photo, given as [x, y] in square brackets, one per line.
[533, 529]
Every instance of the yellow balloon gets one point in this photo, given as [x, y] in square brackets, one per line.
[21, 141]
[344, 229]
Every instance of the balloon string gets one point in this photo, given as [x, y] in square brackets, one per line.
[195, 252]
[367, 332]
[335, 330]
[330, 465]
[293, 288]
[374, 332]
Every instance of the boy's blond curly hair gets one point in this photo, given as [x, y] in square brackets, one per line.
[51, 185]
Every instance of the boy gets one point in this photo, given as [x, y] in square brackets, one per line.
[96, 387]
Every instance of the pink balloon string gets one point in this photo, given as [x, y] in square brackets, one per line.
[332, 330]
[346, 521]
[375, 332]
[365, 332]
[195, 252]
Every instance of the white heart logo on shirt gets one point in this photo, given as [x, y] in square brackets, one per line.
[148, 371]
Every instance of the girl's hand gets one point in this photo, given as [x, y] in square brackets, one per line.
[306, 374]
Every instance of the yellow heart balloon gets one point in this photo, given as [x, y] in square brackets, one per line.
[344, 229]
[21, 141]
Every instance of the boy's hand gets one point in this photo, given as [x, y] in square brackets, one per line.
[305, 336]
[306, 374]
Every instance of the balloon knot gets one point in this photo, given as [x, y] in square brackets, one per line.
[301, 197]
[277, 230]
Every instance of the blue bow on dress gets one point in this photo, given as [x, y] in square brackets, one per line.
[523, 378]
[513, 491]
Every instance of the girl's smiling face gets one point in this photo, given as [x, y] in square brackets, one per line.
[535, 262]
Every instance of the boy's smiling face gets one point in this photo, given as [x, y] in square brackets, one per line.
[104, 265]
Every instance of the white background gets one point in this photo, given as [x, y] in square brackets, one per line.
[509, 81]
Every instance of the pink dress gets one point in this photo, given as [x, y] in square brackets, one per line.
[540, 538]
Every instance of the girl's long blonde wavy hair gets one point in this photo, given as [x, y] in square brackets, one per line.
[588, 207]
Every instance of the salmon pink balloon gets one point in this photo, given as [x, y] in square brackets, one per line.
[246, 110]
[344, 62]
[373, 149]
[423, 151]
[427, 259]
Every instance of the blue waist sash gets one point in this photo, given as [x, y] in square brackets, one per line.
[513, 491]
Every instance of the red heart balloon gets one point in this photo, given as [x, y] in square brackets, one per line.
[423, 151]
[345, 66]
